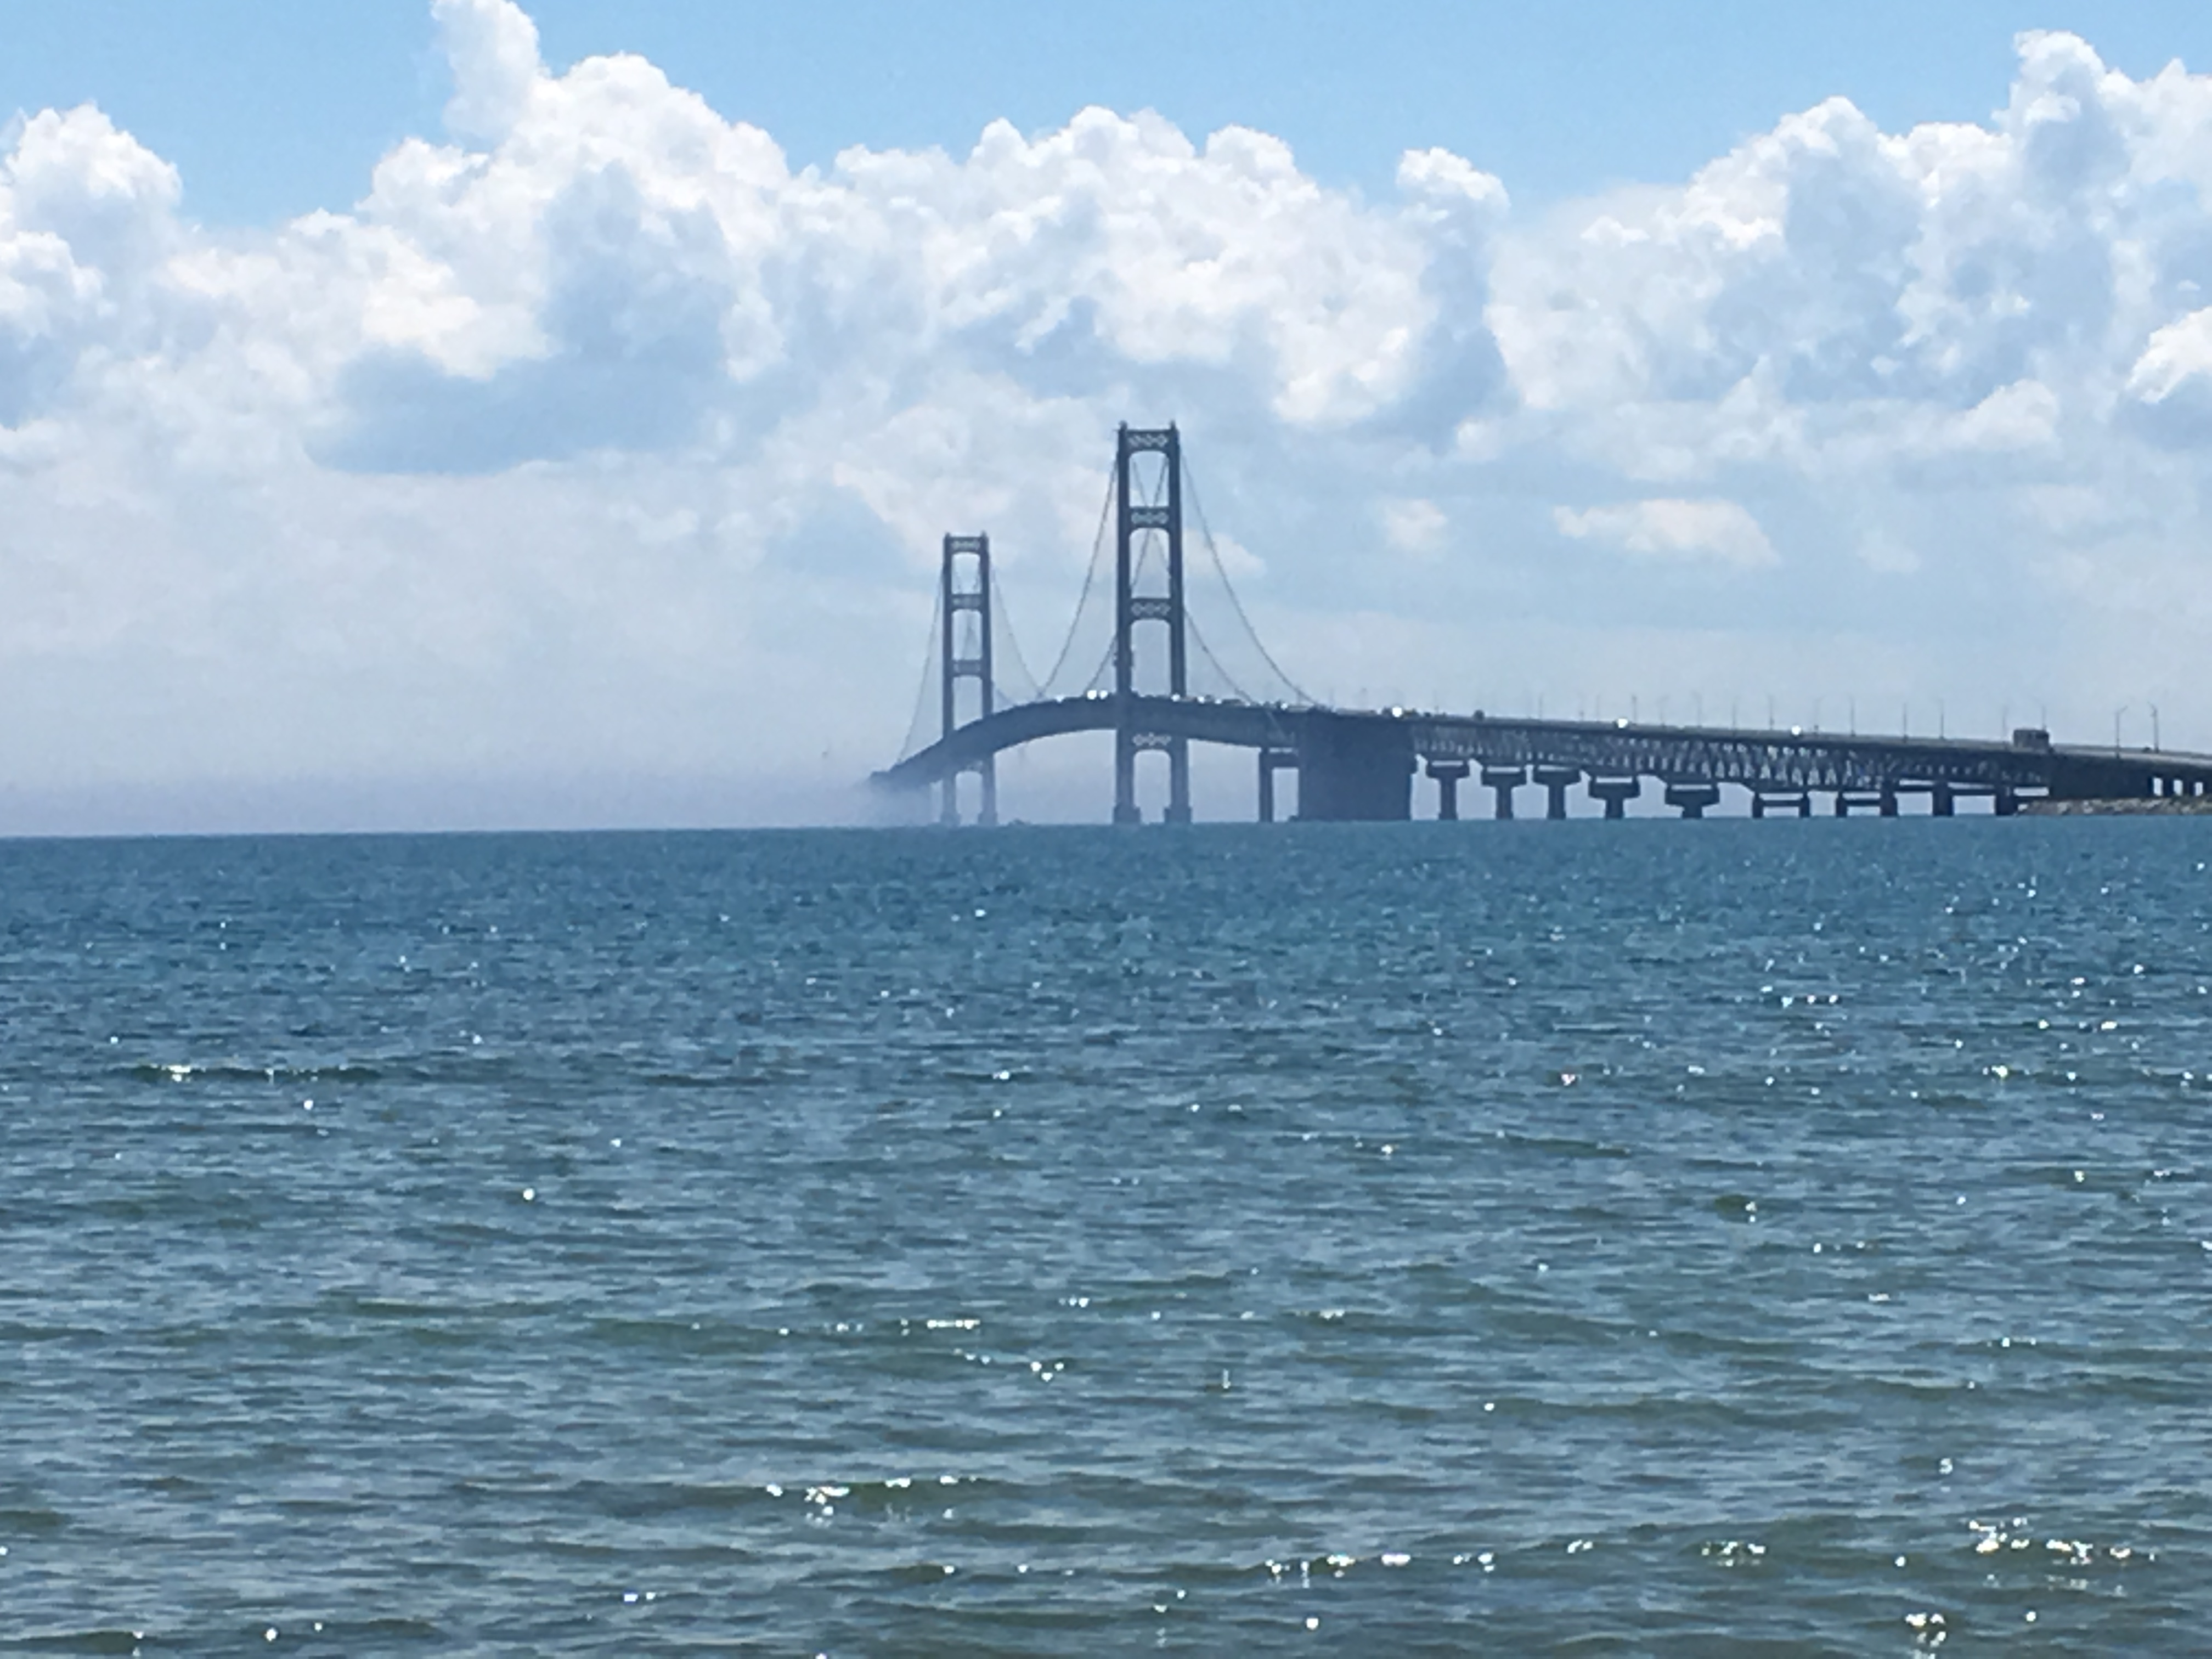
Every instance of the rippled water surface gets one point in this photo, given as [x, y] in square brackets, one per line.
[1676, 1238]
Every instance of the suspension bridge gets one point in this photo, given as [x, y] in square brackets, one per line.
[979, 700]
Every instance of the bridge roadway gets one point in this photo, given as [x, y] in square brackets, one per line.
[1362, 765]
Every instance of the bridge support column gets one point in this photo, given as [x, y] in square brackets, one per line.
[1132, 520]
[2005, 803]
[1557, 781]
[1179, 782]
[1693, 799]
[966, 655]
[1889, 803]
[1448, 774]
[1502, 781]
[1272, 760]
[1941, 802]
[1616, 793]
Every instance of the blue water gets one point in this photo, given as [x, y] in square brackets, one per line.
[1675, 1238]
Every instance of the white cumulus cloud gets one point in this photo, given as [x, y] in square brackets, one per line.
[1415, 525]
[594, 459]
[1715, 532]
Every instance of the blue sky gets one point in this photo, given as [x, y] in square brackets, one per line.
[411, 415]
[272, 109]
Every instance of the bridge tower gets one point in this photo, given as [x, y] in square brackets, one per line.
[954, 601]
[1139, 527]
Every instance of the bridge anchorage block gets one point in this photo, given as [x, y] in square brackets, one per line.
[1693, 799]
[1557, 781]
[1448, 774]
[1616, 793]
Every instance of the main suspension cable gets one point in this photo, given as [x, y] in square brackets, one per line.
[1205, 533]
[931, 665]
[1002, 624]
[1089, 580]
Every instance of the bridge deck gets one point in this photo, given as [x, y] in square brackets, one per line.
[1392, 744]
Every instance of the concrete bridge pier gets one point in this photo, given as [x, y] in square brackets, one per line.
[1448, 774]
[1888, 803]
[1502, 780]
[1178, 782]
[1616, 793]
[1557, 781]
[1272, 760]
[1941, 802]
[2005, 803]
[1693, 799]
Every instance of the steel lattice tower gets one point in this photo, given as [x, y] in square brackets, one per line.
[1132, 520]
[953, 602]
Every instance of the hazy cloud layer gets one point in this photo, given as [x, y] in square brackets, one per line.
[592, 463]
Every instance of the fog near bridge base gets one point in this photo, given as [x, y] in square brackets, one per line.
[591, 467]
